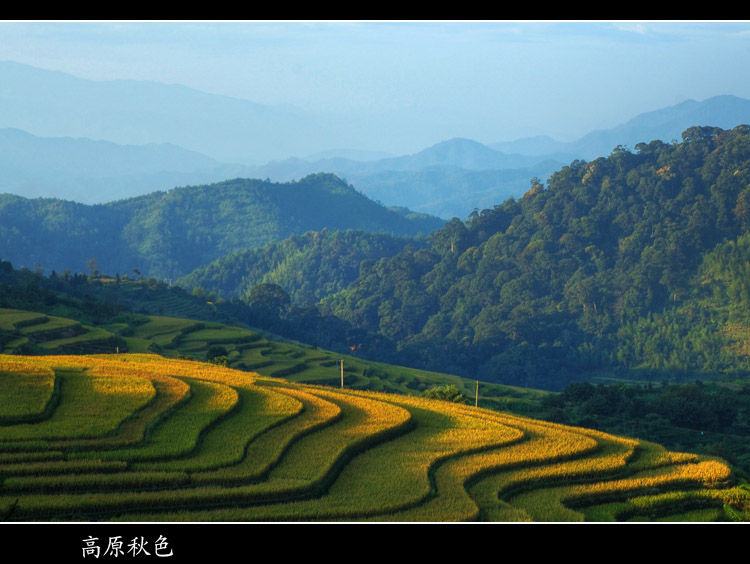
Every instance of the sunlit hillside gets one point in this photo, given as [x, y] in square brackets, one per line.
[138, 437]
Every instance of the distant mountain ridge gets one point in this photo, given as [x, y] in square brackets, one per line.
[56, 104]
[665, 124]
[144, 136]
[448, 179]
[120, 159]
[93, 172]
[452, 177]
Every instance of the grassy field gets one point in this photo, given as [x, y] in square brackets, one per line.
[139, 437]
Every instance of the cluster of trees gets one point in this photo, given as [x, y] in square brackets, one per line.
[66, 295]
[709, 418]
[308, 267]
[449, 392]
[696, 406]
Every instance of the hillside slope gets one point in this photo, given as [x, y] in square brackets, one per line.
[586, 275]
[168, 234]
[140, 438]
[308, 267]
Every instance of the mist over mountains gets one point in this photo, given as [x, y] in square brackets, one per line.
[666, 124]
[100, 141]
[55, 104]
[88, 171]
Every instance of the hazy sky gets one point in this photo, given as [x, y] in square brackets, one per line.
[557, 78]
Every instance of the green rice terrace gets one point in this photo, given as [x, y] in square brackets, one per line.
[247, 350]
[141, 437]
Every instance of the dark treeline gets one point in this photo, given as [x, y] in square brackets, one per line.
[706, 418]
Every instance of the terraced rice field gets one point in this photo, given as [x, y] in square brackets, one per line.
[54, 334]
[250, 350]
[142, 438]
[246, 349]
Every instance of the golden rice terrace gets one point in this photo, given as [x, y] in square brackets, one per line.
[142, 438]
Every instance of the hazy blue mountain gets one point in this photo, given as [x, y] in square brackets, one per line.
[97, 158]
[458, 153]
[535, 146]
[448, 179]
[441, 180]
[453, 177]
[55, 104]
[455, 153]
[461, 153]
[167, 122]
[666, 124]
[350, 154]
[91, 171]
[449, 191]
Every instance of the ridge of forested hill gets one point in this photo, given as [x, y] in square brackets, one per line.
[608, 268]
[168, 234]
[309, 267]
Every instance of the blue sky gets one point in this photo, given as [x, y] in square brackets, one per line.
[494, 80]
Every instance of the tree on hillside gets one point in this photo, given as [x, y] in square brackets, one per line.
[449, 392]
[93, 265]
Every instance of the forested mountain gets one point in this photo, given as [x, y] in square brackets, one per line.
[634, 265]
[309, 267]
[168, 234]
[634, 261]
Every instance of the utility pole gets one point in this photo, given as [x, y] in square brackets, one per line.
[476, 396]
[342, 373]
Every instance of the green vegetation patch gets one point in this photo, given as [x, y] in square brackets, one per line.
[91, 405]
[164, 327]
[26, 391]
[259, 409]
[178, 434]
[13, 319]
[87, 341]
